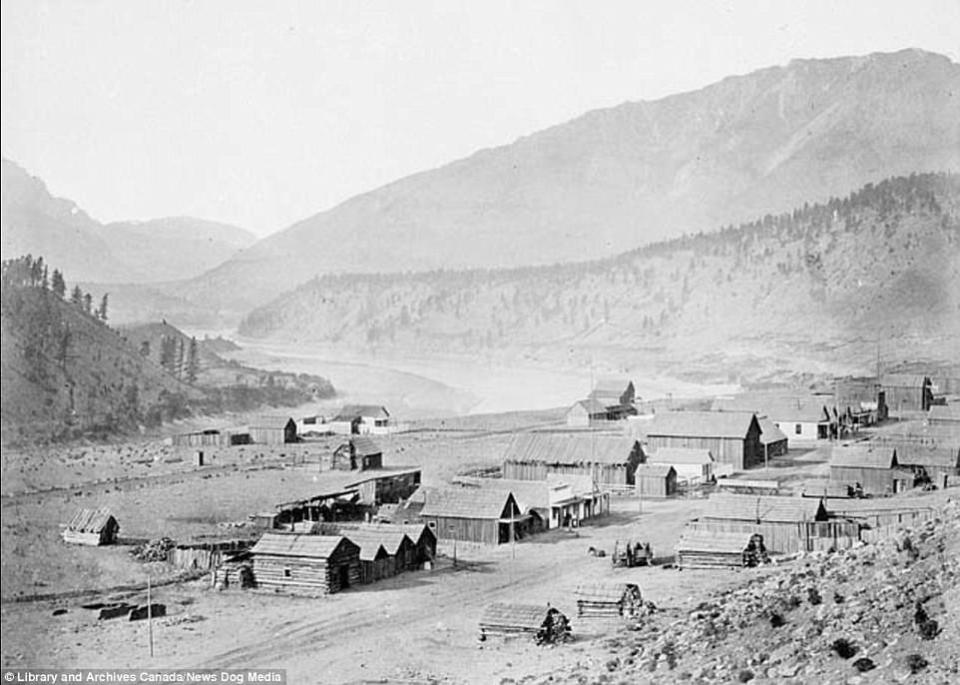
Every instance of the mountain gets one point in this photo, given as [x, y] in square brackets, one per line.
[35, 222]
[618, 178]
[824, 284]
[65, 373]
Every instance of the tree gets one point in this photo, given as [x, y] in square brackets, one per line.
[76, 296]
[192, 361]
[57, 284]
[102, 311]
[145, 349]
[88, 303]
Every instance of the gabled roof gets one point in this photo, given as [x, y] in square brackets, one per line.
[591, 406]
[90, 520]
[801, 408]
[370, 543]
[389, 535]
[904, 380]
[765, 508]
[582, 485]
[351, 412]
[275, 422]
[769, 433]
[463, 502]
[712, 541]
[364, 446]
[529, 494]
[611, 385]
[300, 545]
[922, 455]
[529, 616]
[680, 455]
[864, 457]
[654, 471]
[571, 448]
[701, 424]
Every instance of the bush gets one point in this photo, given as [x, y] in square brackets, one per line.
[916, 663]
[864, 664]
[844, 648]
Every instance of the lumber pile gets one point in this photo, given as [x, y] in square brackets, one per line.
[608, 600]
[546, 625]
[712, 549]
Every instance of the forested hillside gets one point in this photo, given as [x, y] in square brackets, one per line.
[879, 267]
[66, 373]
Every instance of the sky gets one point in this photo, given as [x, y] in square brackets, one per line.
[262, 113]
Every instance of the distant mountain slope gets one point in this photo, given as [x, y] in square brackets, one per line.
[824, 284]
[35, 222]
[618, 178]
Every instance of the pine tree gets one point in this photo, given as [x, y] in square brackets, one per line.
[57, 284]
[192, 361]
[102, 311]
[88, 303]
[76, 296]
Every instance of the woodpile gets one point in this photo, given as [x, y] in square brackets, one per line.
[609, 600]
[711, 549]
[755, 553]
[545, 624]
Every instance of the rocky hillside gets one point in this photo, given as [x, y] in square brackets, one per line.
[878, 613]
[36, 222]
[786, 291]
[66, 373]
[618, 178]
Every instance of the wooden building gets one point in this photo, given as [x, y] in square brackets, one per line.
[787, 524]
[773, 439]
[359, 452]
[362, 419]
[424, 542]
[609, 460]
[510, 620]
[317, 563]
[272, 430]
[711, 549]
[376, 563]
[386, 486]
[586, 413]
[209, 437]
[805, 419]
[731, 437]
[93, 527]
[617, 395]
[560, 500]
[945, 414]
[874, 468]
[489, 517]
[692, 465]
[937, 465]
[655, 480]
[608, 600]
[907, 392]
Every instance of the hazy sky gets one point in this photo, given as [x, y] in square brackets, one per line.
[263, 113]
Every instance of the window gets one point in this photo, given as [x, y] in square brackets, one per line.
[286, 573]
[432, 524]
[799, 429]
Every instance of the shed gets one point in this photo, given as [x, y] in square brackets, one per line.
[691, 464]
[732, 437]
[360, 452]
[531, 620]
[874, 467]
[489, 517]
[773, 439]
[609, 460]
[708, 549]
[272, 430]
[386, 486]
[609, 600]
[587, 413]
[320, 563]
[92, 527]
[376, 563]
[655, 480]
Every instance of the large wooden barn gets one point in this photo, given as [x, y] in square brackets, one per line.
[609, 460]
[874, 467]
[732, 437]
[490, 517]
[787, 524]
[317, 563]
[907, 392]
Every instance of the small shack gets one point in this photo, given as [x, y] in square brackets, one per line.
[608, 600]
[608, 459]
[490, 517]
[773, 439]
[692, 465]
[376, 563]
[272, 430]
[359, 452]
[655, 480]
[587, 413]
[319, 563]
[93, 527]
[874, 468]
[538, 622]
[732, 437]
[705, 549]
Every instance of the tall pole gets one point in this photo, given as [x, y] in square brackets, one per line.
[149, 616]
